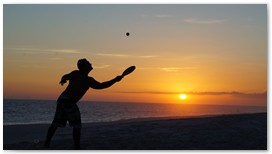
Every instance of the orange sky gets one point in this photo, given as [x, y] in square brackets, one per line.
[201, 50]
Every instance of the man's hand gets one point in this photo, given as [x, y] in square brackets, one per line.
[62, 82]
[118, 78]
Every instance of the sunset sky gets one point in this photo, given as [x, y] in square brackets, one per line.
[216, 54]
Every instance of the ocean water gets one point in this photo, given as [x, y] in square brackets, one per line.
[42, 111]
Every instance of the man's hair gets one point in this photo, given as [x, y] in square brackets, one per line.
[81, 64]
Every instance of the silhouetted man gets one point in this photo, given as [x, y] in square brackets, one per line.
[67, 109]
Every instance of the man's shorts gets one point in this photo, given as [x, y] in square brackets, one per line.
[67, 110]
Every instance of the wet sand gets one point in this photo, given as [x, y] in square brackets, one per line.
[225, 132]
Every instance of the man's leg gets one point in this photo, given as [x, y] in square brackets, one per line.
[51, 131]
[76, 137]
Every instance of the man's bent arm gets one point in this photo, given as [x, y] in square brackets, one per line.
[65, 78]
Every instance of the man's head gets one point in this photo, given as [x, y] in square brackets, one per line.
[84, 66]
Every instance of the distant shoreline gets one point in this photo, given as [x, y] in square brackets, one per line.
[221, 132]
[142, 119]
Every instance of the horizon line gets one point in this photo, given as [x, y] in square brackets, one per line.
[198, 93]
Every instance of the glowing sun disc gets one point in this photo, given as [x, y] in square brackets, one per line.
[182, 96]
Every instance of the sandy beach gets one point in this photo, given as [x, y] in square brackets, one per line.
[225, 132]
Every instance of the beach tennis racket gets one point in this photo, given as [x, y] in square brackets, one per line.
[128, 70]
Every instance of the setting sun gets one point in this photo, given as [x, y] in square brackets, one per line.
[182, 96]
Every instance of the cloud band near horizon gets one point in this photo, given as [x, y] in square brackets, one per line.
[234, 93]
[198, 21]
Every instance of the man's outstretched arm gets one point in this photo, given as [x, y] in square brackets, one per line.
[97, 85]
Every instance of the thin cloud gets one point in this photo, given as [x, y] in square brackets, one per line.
[111, 55]
[211, 21]
[147, 68]
[41, 50]
[176, 69]
[124, 55]
[162, 16]
[168, 69]
[233, 93]
[150, 56]
[156, 16]
[101, 66]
